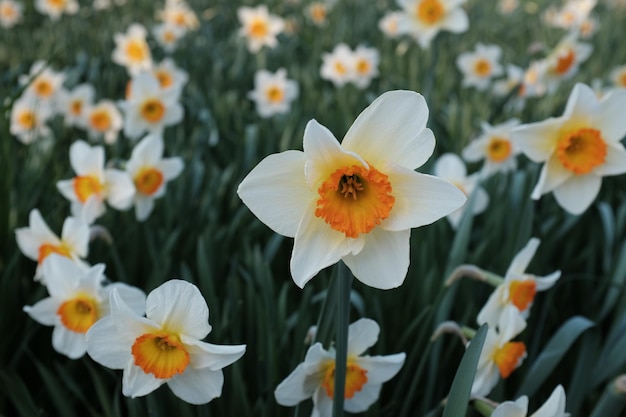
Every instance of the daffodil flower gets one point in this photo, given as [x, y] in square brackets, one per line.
[495, 147]
[553, 407]
[518, 289]
[10, 13]
[77, 301]
[356, 201]
[132, 50]
[480, 66]
[259, 27]
[164, 347]
[273, 92]
[424, 19]
[315, 377]
[578, 148]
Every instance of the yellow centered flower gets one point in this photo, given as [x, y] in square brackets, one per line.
[179, 18]
[57, 4]
[522, 293]
[356, 377]
[582, 150]
[482, 67]
[136, 51]
[100, 120]
[340, 68]
[363, 66]
[148, 180]
[258, 28]
[43, 88]
[76, 107]
[565, 62]
[161, 354]
[87, 185]
[47, 249]
[354, 200]
[7, 11]
[430, 11]
[318, 12]
[275, 94]
[508, 356]
[78, 314]
[27, 119]
[152, 110]
[498, 149]
[164, 77]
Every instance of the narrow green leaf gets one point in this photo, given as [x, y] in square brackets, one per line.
[13, 387]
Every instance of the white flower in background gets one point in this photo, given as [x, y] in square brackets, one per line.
[563, 62]
[365, 375]
[132, 50]
[571, 15]
[177, 13]
[365, 65]
[480, 66]
[37, 241]
[93, 184]
[259, 27]
[165, 347]
[451, 167]
[618, 76]
[338, 66]
[424, 19]
[500, 356]
[273, 92]
[77, 301]
[518, 289]
[150, 173]
[495, 147]
[355, 201]
[73, 104]
[103, 121]
[10, 13]
[317, 11]
[514, 78]
[42, 82]
[167, 36]
[507, 6]
[55, 8]
[534, 80]
[170, 76]
[577, 148]
[28, 119]
[389, 24]
[553, 407]
[588, 27]
[149, 107]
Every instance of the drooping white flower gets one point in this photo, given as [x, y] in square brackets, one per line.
[495, 147]
[273, 92]
[553, 407]
[259, 27]
[481, 66]
[132, 50]
[424, 19]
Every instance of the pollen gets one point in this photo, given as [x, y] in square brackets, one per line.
[78, 314]
[582, 150]
[482, 67]
[499, 149]
[430, 11]
[564, 62]
[356, 378]
[161, 354]
[87, 185]
[275, 94]
[152, 110]
[354, 200]
[508, 357]
[522, 293]
[48, 249]
[258, 29]
[136, 51]
[100, 120]
[148, 180]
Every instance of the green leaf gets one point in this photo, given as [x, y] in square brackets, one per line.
[13, 387]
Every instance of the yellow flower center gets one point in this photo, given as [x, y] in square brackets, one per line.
[482, 67]
[363, 66]
[356, 378]
[76, 107]
[148, 180]
[499, 149]
[340, 68]
[353, 200]
[48, 249]
[100, 120]
[57, 4]
[258, 28]
[164, 77]
[430, 11]
[161, 354]
[275, 94]
[27, 119]
[136, 51]
[564, 62]
[78, 314]
[522, 293]
[169, 36]
[7, 11]
[87, 185]
[508, 357]
[152, 110]
[43, 88]
[582, 150]
[318, 12]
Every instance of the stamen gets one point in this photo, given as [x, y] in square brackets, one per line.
[165, 78]
[135, 50]
[274, 94]
[258, 29]
[100, 120]
[482, 67]
[582, 150]
[152, 110]
[430, 11]
[27, 119]
[78, 314]
[356, 378]
[148, 180]
[499, 149]
[161, 354]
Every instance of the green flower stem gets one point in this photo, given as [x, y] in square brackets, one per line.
[483, 407]
[468, 332]
[613, 401]
[344, 285]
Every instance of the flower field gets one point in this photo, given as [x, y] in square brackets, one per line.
[313, 208]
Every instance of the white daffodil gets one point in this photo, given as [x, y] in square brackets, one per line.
[29, 116]
[451, 167]
[618, 76]
[424, 19]
[365, 375]
[164, 347]
[37, 241]
[93, 184]
[10, 13]
[103, 121]
[563, 62]
[480, 66]
[43, 82]
[495, 147]
[167, 36]
[170, 76]
[73, 104]
[355, 201]
[177, 13]
[578, 148]
[149, 107]
[338, 65]
[553, 407]
[365, 65]
[259, 27]
[77, 300]
[518, 289]
[273, 92]
[150, 173]
[132, 50]
[55, 8]
[389, 24]
[500, 356]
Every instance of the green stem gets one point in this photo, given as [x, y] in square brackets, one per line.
[483, 407]
[613, 401]
[344, 284]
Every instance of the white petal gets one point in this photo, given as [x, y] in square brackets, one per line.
[85, 159]
[62, 276]
[392, 128]
[106, 347]
[519, 408]
[69, 343]
[128, 324]
[362, 334]
[456, 21]
[450, 167]
[522, 259]
[120, 189]
[581, 103]
[510, 324]
[214, 357]
[537, 140]
[149, 150]
[610, 117]
[277, 193]
[384, 260]
[381, 368]
[577, 193]
[615, 162]
[44, 311]
[364, 398]
[75, 234]
[171, 167]
[197, 386]
[143, 207]
[552, 175]
[297, 387]
[137, 383]
[554, 406]
[545, 283]
[492, 309]
[178, 306]
[66, 188]
[322, 404]
[133, 297]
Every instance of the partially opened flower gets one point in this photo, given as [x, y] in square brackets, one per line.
[424, 19]
[55, 8]
[43, 82]
[273, 92]
[77, 300]
[103, 121]
[495, 147]
[365, 375]
[150, 173]
[10, 13]
[355, 201]
[518, 289]
[365, 65]
[132, 50]
[553, 407]
[259, 27]
[37, 241]
[338, 65]
[480, 66]
[577, 148]
[29, 117]
[165, 347]
[93, 184]
[73, 104]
